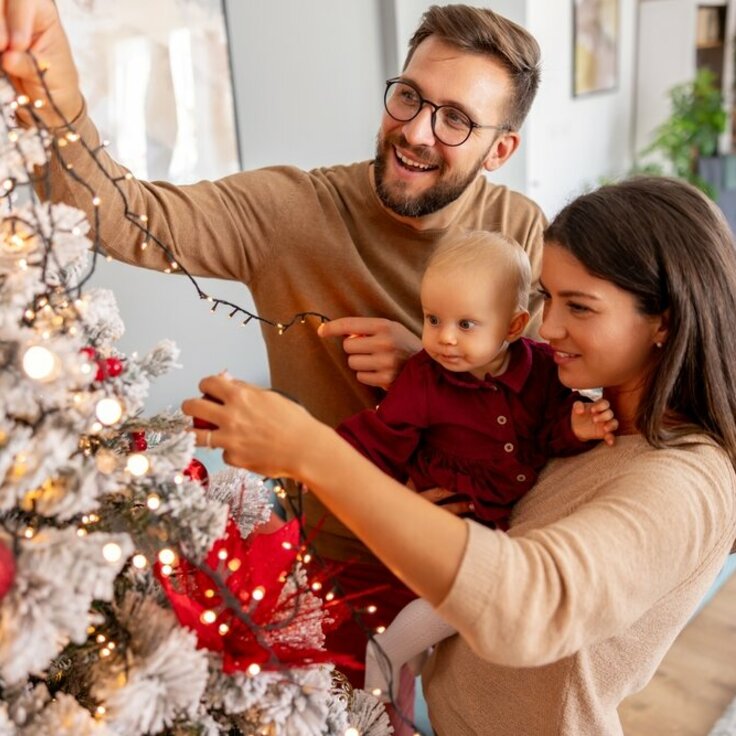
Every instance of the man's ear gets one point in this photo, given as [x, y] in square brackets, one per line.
[502, 150]
[517, 326]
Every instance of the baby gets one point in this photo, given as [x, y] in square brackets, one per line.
[478, 411]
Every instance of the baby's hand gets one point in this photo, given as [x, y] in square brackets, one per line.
[594, 421]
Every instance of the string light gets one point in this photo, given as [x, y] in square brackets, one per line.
[109, 411]
[40, 364]
[258, 593]
[153, 501]
[253, 669]
[138, 464]
[140, 562]
[167, 556]
[112, 552]
[352, 731]
[208, 617]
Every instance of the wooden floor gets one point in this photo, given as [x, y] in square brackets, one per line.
[697, 679]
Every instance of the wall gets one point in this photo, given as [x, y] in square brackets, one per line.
[573, 142]
[308, 84]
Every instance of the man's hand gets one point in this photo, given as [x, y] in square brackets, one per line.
[594, 421]
[34, 25]
[377, 348]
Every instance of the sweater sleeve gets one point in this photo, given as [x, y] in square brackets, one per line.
[528, 600]
[222, 228]
[390, 434]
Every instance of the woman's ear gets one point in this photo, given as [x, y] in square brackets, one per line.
[662, 330]
[517, 325]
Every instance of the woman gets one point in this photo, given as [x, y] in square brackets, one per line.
[609, 554]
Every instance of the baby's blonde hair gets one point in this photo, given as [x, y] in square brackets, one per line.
[492, 251]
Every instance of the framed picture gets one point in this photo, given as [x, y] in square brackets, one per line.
[595, 42]
[157, 79]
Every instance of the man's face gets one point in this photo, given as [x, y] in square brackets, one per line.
[415, 174]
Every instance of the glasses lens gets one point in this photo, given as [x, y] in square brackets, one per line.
[451, 126]
[402, 101]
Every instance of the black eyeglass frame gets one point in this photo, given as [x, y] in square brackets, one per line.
[435, 109]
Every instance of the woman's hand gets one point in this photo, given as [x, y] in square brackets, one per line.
[256, 429]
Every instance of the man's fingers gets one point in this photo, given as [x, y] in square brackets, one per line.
[353, 326]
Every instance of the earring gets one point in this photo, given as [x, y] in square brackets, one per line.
[659, 344]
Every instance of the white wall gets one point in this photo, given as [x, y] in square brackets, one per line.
[573, 142]
[308, 87]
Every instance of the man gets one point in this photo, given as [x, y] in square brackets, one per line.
[348, 241]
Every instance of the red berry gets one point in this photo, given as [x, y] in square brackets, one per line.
[101, 374]
[138, 441]
[90, 352]
[7, 569]
[113, 367]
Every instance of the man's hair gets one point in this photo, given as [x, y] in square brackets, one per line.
[665, 243]
[481, 31]
[480, 251]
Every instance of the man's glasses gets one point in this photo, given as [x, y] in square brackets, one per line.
[449, 125]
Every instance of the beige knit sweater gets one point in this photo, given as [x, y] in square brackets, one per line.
[574, 608]
[301, 241]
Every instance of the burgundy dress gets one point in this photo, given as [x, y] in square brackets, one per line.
[484, 439]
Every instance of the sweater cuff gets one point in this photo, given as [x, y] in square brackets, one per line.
[473, 588]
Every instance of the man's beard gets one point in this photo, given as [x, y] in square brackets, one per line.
[432, 200]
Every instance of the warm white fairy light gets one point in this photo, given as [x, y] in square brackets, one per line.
[234, 565]
[109, 411]
[104, 652]
[166, 570]
[100, 710]
[208, 617]
[209, 593]
[258, 593]
[376, 692]
[29, 532]
[223, 629]
[330, 596]
[178, 479]
[380, 629]
[167, 556]
[138, 464]
[153, 501]
[352, 731]
[316, 586]
[222, 554]
[40, 363]
[100, 638]
[112, 552]
[253, 669]
[95, 428]
[140, 562]
[371, 609]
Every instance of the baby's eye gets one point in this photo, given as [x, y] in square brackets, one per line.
[466, 324]
[576, 308]
[430, 319]
[544, 294]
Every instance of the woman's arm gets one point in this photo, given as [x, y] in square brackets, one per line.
[421, 543]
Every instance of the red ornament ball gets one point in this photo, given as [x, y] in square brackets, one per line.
[197, 471]
[202, 423]
[138, 442]
[7, 569]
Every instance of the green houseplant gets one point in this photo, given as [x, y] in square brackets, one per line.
[691, 132]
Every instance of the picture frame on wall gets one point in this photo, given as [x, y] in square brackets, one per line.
[158, 84]
[595, 46]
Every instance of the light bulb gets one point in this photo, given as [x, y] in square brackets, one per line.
[138, 464]
[112, 552]
[140, 562]
[167, 556]
[40, 363]
[109, 411]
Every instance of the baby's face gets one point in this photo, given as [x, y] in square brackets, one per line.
[466, 321]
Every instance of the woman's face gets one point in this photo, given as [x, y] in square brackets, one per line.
[600, 338]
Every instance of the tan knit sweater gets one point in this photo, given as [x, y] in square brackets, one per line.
[301, 241]
[573, 610]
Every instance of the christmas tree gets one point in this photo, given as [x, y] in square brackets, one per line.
[136, 598]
